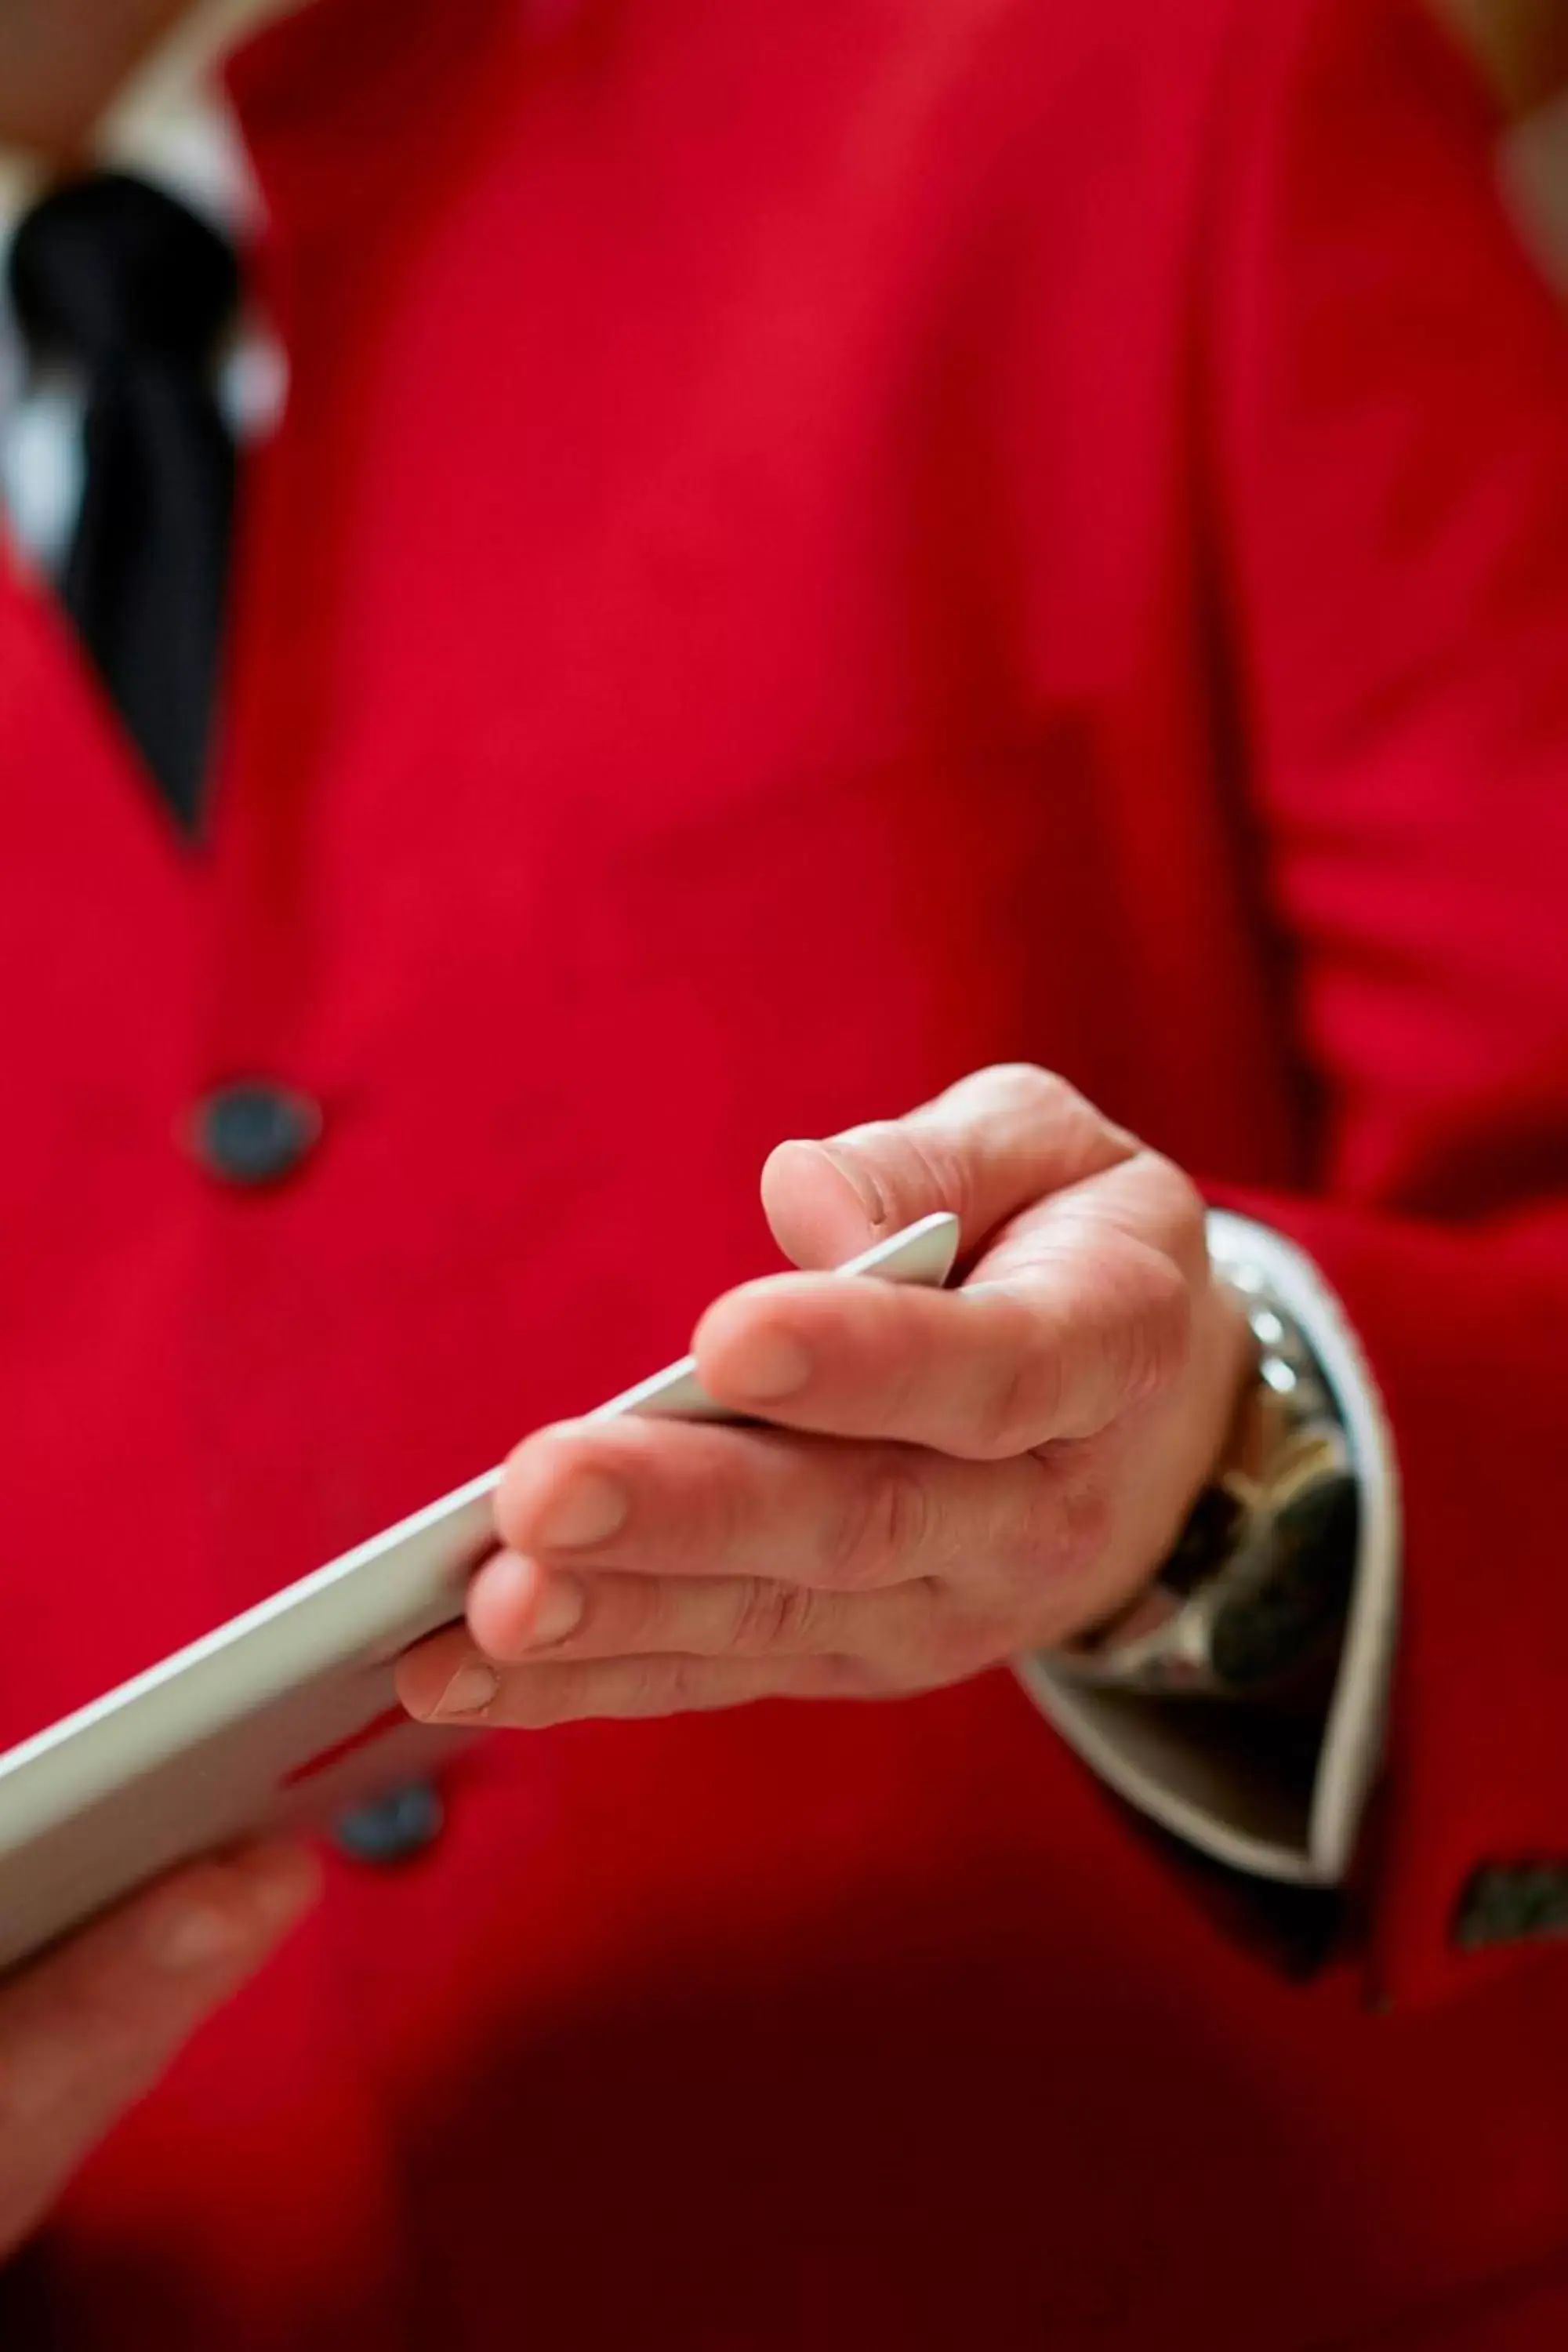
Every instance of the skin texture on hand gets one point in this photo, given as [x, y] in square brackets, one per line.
[87, 2028]
[949, 1477]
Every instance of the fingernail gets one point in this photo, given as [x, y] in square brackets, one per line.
[557, 1612]
[469, 1691]
[768, 1367]
[195, 1935]
[589, 1512]
[859, 1178]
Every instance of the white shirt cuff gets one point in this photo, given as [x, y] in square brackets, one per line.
[1208, 1772]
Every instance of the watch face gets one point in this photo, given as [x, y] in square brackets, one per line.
[1268, 1628]
[1212, 1534]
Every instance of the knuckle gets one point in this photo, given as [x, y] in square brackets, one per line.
[1180, 1212]
[1022, 1396]
[719, 1516]
[958, 1630]
[667, 1686]
[604, 1688]
[1029, 1086]
[1038, 1098]
[534, 1698]
[648, 1683]
[1059, 1537]
[1154, 1333]
[1001, 1413]
[1136, 1308]
[925, 1165]
[626, 1613]
[939, 1141]
[911, 1172]
[1082, 1525]
[771, 1615]
[884, 1523]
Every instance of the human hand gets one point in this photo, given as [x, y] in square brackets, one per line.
[953, 1478]
[85, 2031]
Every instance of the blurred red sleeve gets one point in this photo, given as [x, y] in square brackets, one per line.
[1387, 381]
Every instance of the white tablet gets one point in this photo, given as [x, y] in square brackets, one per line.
[287, 1714]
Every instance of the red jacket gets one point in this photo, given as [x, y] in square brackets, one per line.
[812, 548]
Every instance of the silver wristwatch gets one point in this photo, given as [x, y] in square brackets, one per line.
[1251, 1600]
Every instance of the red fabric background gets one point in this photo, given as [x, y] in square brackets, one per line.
[810, 550]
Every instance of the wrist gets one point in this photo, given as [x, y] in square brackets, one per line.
[1248, 1599]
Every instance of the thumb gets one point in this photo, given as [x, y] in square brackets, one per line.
[989, 1146]
[822, 1202]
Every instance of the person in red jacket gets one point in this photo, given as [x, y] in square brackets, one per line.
[589, 587]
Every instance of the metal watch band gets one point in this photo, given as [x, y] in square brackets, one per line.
[1252, 1597]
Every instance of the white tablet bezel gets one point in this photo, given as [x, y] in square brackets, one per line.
[286, 1713]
